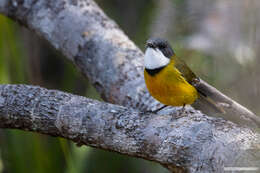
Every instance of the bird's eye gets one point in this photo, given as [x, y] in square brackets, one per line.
[161, 46]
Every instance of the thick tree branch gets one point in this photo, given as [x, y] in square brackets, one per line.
[193, 143]
[86, 36]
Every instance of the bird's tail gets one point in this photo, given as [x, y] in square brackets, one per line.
[211, 100]
[210, 103]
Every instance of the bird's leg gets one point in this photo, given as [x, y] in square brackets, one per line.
[157, 110]
[182, 110]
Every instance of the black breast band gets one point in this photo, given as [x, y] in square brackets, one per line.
[153, 72]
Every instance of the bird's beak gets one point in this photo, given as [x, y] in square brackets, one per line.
[149, 45]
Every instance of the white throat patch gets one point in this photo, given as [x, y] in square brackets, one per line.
[154, 58]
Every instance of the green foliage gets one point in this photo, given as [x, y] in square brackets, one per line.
[23, 151]
[28, 152]
[12, 53]
[4, 75]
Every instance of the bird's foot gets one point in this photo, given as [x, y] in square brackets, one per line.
[157, 110]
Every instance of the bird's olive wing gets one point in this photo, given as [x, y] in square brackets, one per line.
[184, 70]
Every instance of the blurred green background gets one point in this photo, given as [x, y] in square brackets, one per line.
[220, 40]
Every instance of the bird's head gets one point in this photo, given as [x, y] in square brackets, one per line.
[158, 53]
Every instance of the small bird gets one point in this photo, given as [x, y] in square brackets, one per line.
[168, 79]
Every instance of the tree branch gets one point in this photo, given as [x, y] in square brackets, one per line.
[93, 42]
[193, 143]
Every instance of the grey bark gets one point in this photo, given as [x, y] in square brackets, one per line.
[84, 34]
[193, 143]
[95, 44]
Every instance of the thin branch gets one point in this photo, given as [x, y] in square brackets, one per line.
[193, 143]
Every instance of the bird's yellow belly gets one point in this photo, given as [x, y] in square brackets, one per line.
[170, 88]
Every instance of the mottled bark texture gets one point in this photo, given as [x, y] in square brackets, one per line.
[191, 142]
[95, 44]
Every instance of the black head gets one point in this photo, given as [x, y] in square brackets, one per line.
[162, 45]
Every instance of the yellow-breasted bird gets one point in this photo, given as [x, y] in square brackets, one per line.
[168, 79]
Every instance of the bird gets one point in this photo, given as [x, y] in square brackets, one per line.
[168, 79]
